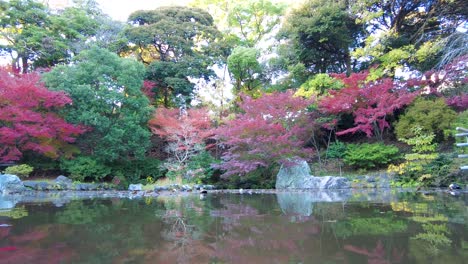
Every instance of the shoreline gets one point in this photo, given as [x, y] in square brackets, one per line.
[60, 198]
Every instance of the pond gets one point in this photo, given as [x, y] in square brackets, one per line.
[400, 227]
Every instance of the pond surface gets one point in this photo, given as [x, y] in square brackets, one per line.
[235, 228]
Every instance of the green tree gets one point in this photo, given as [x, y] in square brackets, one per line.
[244, 22]
[107, 98]
[34, 36]
[432, 116]
[24, 32]
[321, 34]
[177, 43]
[245, 68]
[407, 32]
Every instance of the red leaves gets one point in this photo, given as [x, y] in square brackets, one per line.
[183, 129]
[370, 102]
[27, 118]
[272, 129]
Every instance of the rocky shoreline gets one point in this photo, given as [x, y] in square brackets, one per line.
[62, 190]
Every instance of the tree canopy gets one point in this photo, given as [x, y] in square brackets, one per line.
[107, 96]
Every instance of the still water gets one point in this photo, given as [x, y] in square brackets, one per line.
[239, 228]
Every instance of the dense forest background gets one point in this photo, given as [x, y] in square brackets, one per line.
[226, 92]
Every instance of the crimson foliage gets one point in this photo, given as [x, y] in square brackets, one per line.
[370, 102]
[184, 130]
[28, 119]
[272, 128]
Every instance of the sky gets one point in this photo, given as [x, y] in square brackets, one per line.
[121, 9]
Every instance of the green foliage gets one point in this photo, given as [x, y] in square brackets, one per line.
[35, 36]
[21, 171]
[201, 167]
[377, 226]
[321, 34]
[140, 170]
[320, 84]
[178, 43]
[336, 150]
[435, 237]
[424, 165]
[107, 98]
[85, 168]
[244, 22]
[460, 121]
[245, 68]
[261, 178]
[433, 116]
[368, 156]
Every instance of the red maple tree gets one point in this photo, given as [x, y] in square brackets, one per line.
[370, 102]
[184, 130]
[29, 119]
[272, 128]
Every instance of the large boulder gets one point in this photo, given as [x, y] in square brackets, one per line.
[10, 184]
[296, 175]
[64, 180]
[293, 175]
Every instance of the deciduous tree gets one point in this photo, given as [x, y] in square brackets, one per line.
[29, 119]
[370, 102]
[270, 129]
[184, 130]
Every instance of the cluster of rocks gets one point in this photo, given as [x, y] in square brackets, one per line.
[10, 184]
[297, 175]
[173, 187]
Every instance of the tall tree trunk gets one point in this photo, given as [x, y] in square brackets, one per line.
[24, 62]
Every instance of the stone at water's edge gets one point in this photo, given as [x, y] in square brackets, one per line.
[64, 180]
[10, 184]
[297, 176]
[135, 187]
[293, 175]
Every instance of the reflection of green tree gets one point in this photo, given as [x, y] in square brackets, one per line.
[385, 225]
[79, 213]
[16, 213]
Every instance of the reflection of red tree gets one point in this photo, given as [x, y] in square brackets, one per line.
[32, 247]
[377, 255]
[4, 232]
[49, 255]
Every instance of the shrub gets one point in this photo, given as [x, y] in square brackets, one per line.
[368, 156]
[85, 167]
[261, 178]
[416, 167]
[137, 170]
[433, 116]
[336, 150]
[201, 167]
[21, 171]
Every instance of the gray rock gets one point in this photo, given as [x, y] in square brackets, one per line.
[174, 186]
[37, 185]
[135, 187]
[161, 188]
[186, 188]
[208, 187]
[297, 176]
[86, 187]
[63, 180]
[293, 176]
[6, 205]
[10, 184]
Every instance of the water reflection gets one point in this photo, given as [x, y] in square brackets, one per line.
[233, 228]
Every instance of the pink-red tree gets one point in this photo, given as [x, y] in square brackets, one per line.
[272, 128]
[370, 102]
[184, 130]
[28, 118]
